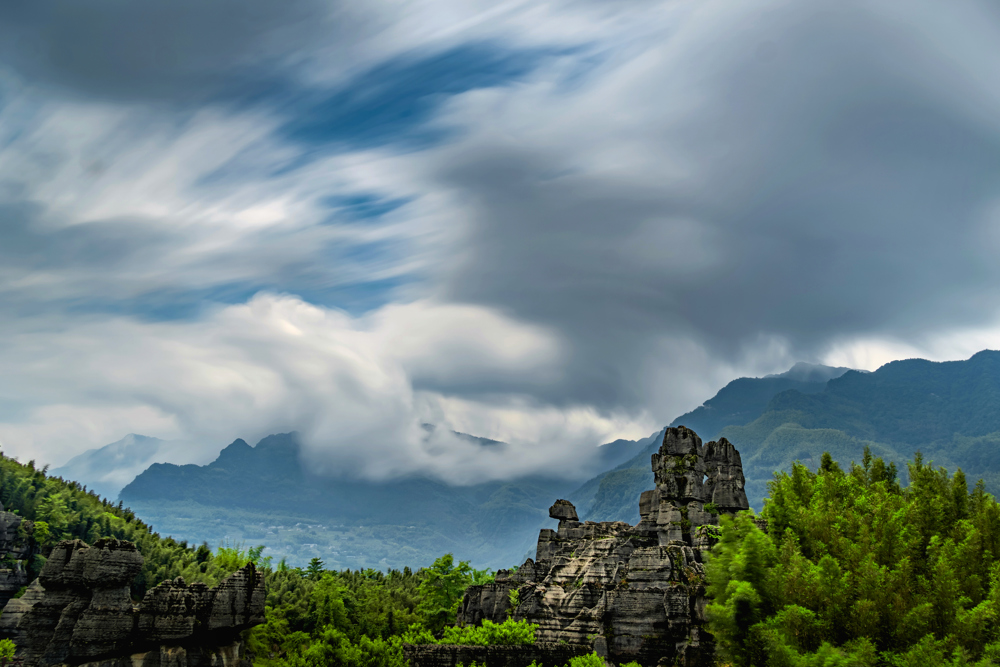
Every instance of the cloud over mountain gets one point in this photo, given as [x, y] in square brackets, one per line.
[550, 224]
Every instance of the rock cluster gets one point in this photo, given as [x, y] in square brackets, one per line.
[627, 592]
[79, 612]
[15, 550]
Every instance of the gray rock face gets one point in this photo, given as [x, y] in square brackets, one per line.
[15, 550]
[79, 612]
[628, 592]
[563, 510]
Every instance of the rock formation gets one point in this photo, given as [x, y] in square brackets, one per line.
[79, 612]
[627, 592]
[16, 549]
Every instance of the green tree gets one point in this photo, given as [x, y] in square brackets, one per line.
[441, 590]
[855, 569]
[315, 568]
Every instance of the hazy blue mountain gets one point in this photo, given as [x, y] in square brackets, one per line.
[108, 469]
[262, 495]
[611, 495]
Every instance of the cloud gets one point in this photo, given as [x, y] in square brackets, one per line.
[517, 220]
[803, 173]
[351, 386]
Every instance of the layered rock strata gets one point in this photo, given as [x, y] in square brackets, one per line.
[79, 612]
[627, 592]
[16, 549]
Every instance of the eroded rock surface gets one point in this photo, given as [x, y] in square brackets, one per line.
[15, 551]
[79, 612]
[628, 592]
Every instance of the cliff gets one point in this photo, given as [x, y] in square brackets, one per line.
[627, 592]
[16, 550]
[79, 612]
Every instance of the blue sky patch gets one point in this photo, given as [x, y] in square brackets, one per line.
[360, 207]
[391, 103]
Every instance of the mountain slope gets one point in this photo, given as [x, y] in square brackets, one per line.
[69, 512]
[611, 495]
[949, 411]
[262, 494]
[108, 469]
[743, 400]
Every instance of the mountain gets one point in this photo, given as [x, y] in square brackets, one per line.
[263, 495]
[948, 411]
[108, 469]
[743, 400]
[610, 496]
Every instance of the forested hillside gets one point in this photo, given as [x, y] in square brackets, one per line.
[61, 509]
[855, 568]
[948, 411]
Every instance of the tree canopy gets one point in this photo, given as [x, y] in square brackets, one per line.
[855, 569]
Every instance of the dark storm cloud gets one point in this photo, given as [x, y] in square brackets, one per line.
[832, 179]
[547, 224]
[179, 50]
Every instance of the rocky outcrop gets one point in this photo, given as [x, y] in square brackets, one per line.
[627, 592]
[79, 612]
[16, 549]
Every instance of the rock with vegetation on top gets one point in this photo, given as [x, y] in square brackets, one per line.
[79, 612]
[628, 592]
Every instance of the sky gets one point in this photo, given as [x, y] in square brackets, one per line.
[548, 223]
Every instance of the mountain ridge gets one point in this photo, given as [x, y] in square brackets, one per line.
[414, 518]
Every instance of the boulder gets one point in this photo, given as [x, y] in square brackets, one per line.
[563, 510]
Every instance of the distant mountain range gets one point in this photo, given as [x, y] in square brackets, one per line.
[610, 496]
[949, 411]
[261, 495]
[108, 469]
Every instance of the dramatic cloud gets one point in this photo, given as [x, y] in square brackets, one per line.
[546, 223]
[350, 386]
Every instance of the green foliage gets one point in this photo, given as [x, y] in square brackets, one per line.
[508, 633]
[229, 558]
[363, 617]
[61, 510]
[590, 660]
[514, 597]
[350, 617]
[857, 570]
[441, 590]
[315, 569]
[7, 648]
